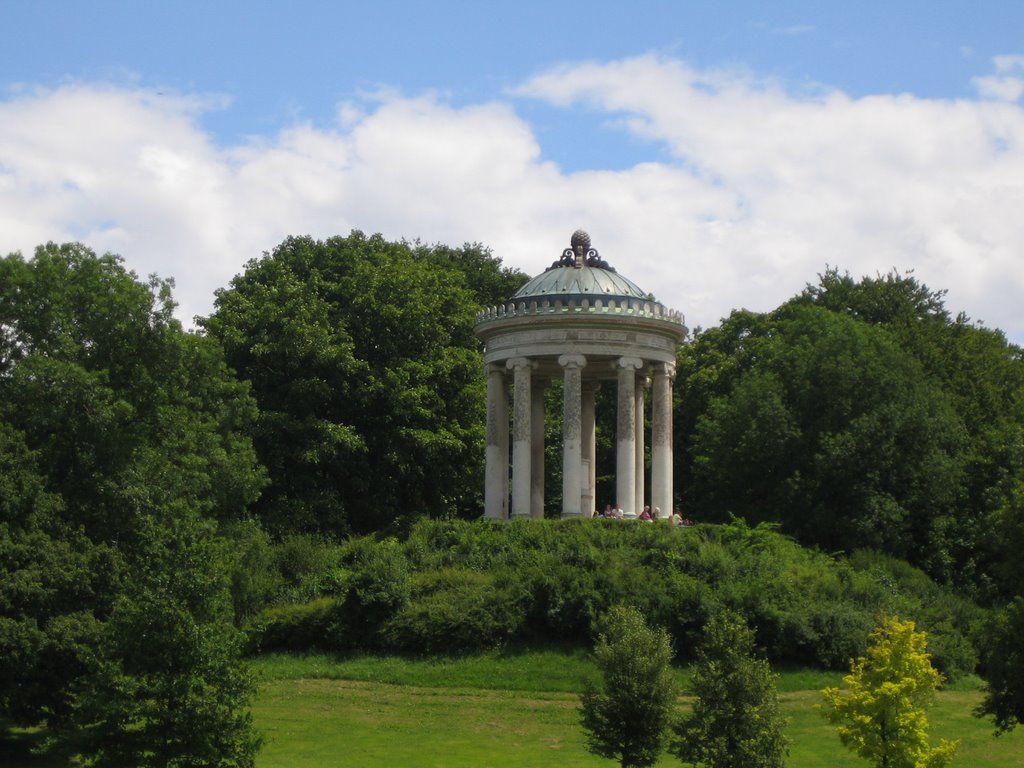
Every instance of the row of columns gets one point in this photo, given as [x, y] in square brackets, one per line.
[579, 442]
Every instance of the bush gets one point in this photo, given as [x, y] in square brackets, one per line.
[300, 627]
[453, 611]
[378, 585]
[308, 566]
[255, 579]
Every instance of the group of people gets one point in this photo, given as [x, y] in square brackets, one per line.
[616, 513]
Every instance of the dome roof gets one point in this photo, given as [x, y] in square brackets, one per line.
[579, 283]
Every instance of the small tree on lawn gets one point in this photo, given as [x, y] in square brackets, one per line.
[881, 716]
[735, 721]
[626, 717]
[1002, 666]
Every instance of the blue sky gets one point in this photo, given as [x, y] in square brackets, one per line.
[721, 154]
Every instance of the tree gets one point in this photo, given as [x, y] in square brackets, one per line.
[822, 423]
[861, 414]
[1002, 666]
[982, 376]
[168, 687]
[362, 357]
[115, 424]
[735, 721]
[626, 717]
[881, 716]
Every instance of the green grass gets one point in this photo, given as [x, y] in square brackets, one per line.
[511, 670]
[507, 709]
[519, 709]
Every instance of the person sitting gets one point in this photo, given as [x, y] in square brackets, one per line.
[646, 515]
[609, 513]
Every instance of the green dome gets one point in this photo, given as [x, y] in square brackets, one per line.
[579, 283]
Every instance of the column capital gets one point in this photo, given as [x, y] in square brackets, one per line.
[516, 363]
[572, 361]
[629, 362]
[665, 369]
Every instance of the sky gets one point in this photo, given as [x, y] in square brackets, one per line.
[721, 154]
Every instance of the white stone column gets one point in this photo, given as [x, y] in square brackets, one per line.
[641, 468]
[537, 449]
[589, 425]
[522, 435]
[661, 440]
[496, 473]
[572, 435]
[625, 439]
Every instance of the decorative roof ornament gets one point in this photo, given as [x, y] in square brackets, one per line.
[579, 254]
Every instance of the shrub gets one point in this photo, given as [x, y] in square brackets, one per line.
[307, 564]
[378, 585]
[453, 611]
[301, 627]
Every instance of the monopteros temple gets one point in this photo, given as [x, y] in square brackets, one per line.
[584, 323]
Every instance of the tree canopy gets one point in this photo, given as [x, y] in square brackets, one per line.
[362, 357]
[859, 414]
[735, 722]
[114, 423]
[627, 715]
[881, 716]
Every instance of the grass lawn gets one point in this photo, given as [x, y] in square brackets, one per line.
[503, 710]
[517, 710]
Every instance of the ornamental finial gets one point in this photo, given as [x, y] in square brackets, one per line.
[580, 241]
[580, 254]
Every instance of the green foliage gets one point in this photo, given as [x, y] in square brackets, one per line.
[860, 415]
[378, 587]
[625, 718]
[881, 716]
[124, 409]
[1002, 666]
[735, 722]
[168, 687]
[481, 584]
[946, 617]
[454, 611]
[823, 425]
[115, 424]
[295, 627]
[254, 578]
[309, 566]
[362, 356]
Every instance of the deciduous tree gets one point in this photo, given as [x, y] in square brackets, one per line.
[881, 715]
[362, 356]
[1002, 666]
[115, 423]
[735, 722]
[626, 716]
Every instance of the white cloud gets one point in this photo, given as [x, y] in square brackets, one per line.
[762, 191]
[1007, 84]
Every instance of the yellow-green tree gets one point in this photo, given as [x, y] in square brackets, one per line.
[881, 713]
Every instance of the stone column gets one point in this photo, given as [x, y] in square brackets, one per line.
[537, 449]
[661, 440]
[641, 468]
[590, 443]
[496, 474]
[625, 440]
[572, 435]
[522, 436]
